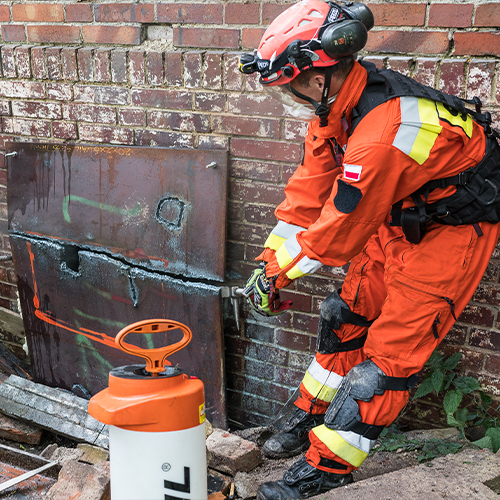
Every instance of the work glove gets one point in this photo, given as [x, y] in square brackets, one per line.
[262, 294]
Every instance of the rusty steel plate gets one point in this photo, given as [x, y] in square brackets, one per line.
[72, 314]
[160, 207]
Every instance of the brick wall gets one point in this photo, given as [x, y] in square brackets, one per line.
[157, 73]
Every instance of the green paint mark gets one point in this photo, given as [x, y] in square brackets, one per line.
[133, 212]
[107, 322]
[103, 365]
[97, 291]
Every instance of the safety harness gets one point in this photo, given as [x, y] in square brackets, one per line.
[477, 196]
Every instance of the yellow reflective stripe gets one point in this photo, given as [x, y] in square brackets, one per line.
[336, 444]
[428, 133]
[274, 241]
[283, 257]
[294, 273]
[462, 120]
[318, 390]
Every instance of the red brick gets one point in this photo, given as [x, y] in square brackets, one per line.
[13, 33]
[4, 13]
[124, 12]
[379, 61]
[492, 364]
[490, 385]
[90, 113]
[20, 90]
[207, 37]
[115, 35]
[485, 339]
[164, 99]
[425, 71]
[251, 37]
[155, 68]
[53, 56]
[480, 79]
[64, 130]
[53, 34]
[185, 122]
[78, 13]
[42, 12]
[100, 94]
[8, 62]
[192, 69]
[212, 71]
[233, 79]
[110, 135]
[154, 138]
[421, 42]
[173, 69]
[190, 13]
[136, 67]
[85, 66]
[119, 66]
[257, 192]
[294, 130]
[21, 126]
[477, 315]
[4, 111]
[101, 65]
[293, 340]
[240, 13]
[398, 14]
[255, 127]
[38, 63]
[477, 44]
[252, 169]
[259, 104]
[31, 109]
[452, 76]
[70, 69]
[487, 15]
[213, 142]
[209, 101]
[59, 91]
[266, 150]
[132, 117]
[252, 83]
[305, 322]
[270, 11]
[451, 15]
[260, 214]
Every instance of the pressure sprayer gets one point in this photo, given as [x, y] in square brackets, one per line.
[156, 418]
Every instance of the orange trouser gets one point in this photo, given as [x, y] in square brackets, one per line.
[412, 292]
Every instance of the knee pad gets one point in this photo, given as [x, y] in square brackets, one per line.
[361, 384]
[334, 312]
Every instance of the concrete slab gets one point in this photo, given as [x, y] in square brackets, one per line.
[58, 411]
[458, 477]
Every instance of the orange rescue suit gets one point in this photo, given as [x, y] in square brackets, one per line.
[338, 212]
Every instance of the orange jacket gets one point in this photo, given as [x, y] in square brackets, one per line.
[399, 146]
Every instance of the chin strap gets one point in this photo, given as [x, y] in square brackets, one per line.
[322, 109]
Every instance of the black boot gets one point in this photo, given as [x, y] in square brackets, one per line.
[293, 439]
[302, 481]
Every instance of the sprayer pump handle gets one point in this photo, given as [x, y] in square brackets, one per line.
[155, 358]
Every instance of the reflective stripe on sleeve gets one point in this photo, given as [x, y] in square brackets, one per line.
[289, 251]
[281, 233]
[419, 128]
[349, 446]
[321, 383]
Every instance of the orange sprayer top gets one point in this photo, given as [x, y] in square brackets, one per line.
[155, 358]
[158, 399]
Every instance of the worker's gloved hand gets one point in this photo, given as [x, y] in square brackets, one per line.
[262, 295]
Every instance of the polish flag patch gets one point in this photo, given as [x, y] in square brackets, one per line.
[352, 172]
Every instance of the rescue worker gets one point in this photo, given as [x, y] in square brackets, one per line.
[401, 181]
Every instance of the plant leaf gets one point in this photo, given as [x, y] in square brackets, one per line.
[466, 384]
[424, 388]
[449, 379]
[484, 443]
[486, 399]
[494, 434]
[452, 362]
[461, 416]
[437, 380]
[451, 402]
[435, 360]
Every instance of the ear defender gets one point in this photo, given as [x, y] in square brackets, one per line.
[344, 39]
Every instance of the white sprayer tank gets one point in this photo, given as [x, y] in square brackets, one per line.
[156, 418]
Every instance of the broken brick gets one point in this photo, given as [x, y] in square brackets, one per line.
[21, 432]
